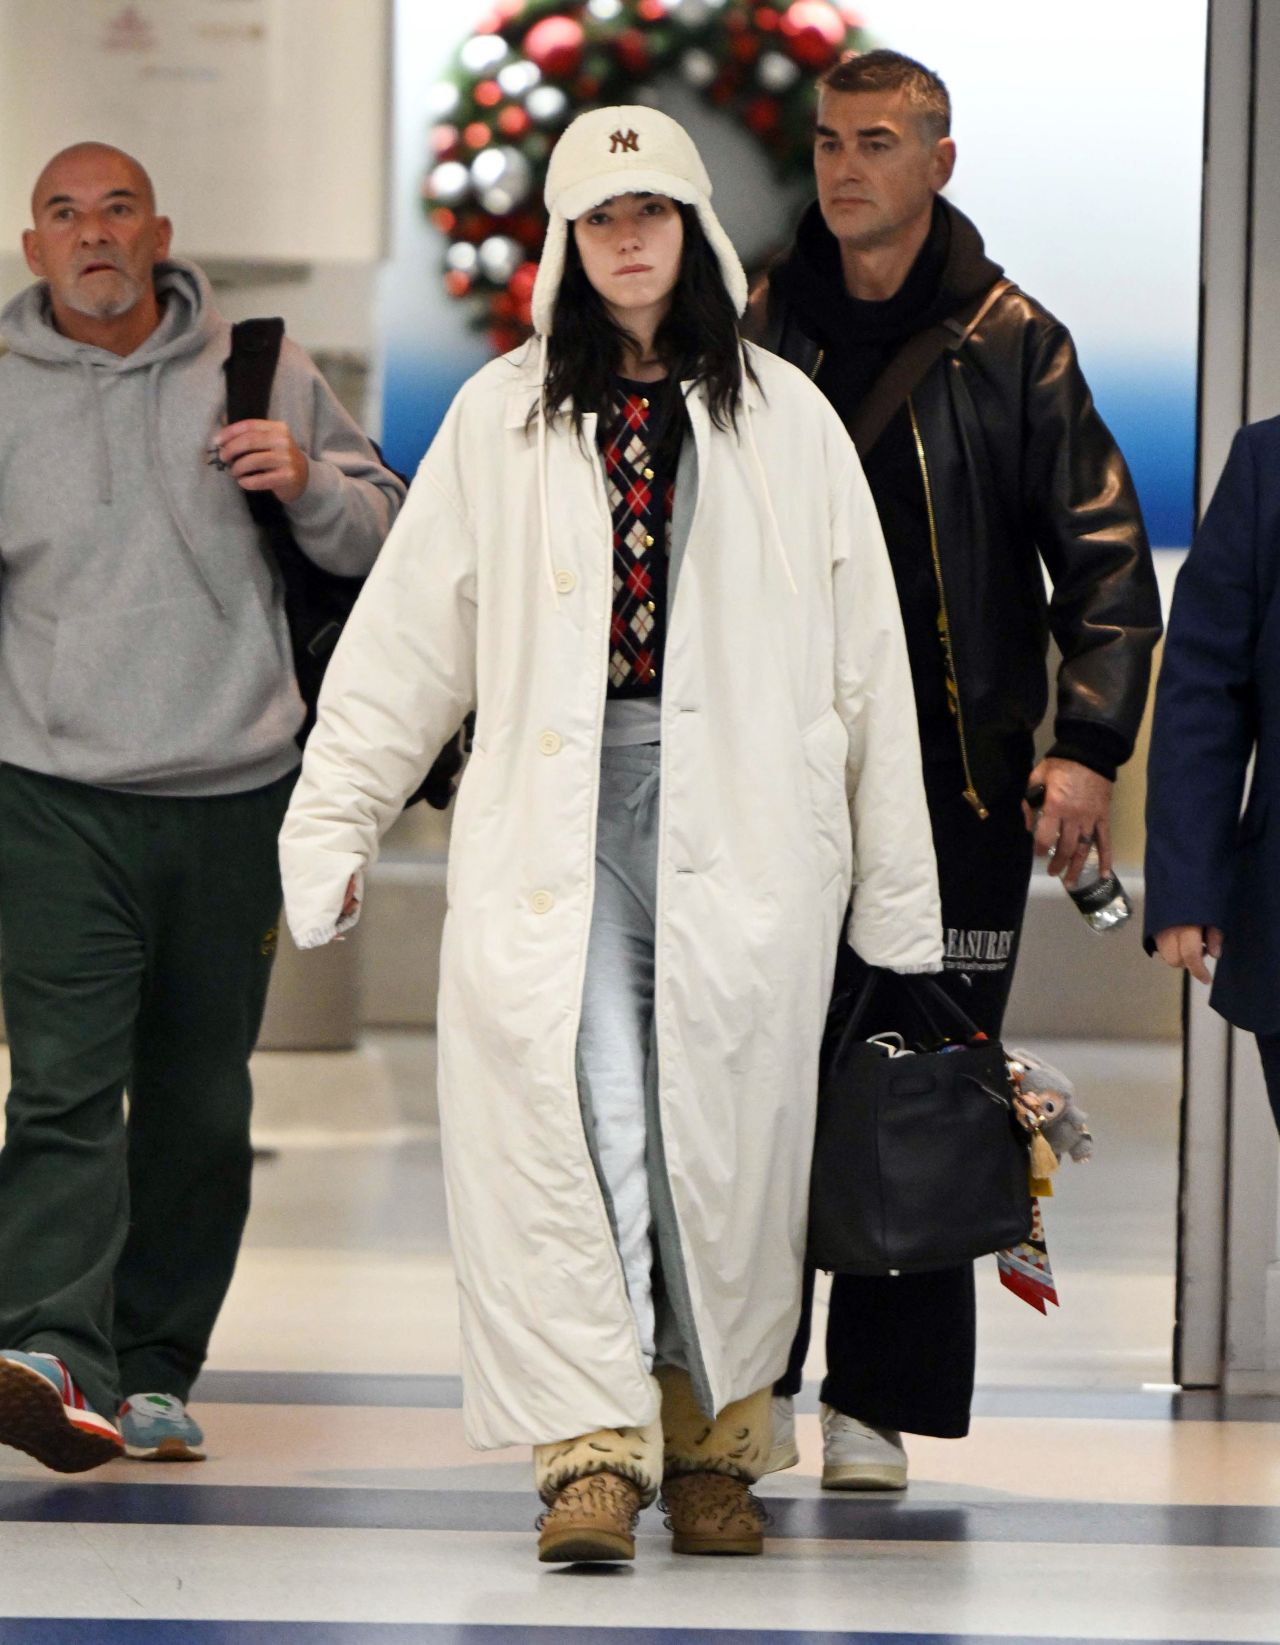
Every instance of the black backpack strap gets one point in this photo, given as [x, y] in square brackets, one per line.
[908, 366]
[250, 371]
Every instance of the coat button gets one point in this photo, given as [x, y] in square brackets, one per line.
[566, 582]
[550, 742]
[542, 902]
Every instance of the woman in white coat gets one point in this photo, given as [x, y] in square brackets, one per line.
[648, 558]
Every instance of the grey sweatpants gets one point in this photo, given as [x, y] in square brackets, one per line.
[617, 1054]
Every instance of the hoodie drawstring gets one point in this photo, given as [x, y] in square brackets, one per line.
[544, 506]
[153, 437]
[765, 493]
[102, 451]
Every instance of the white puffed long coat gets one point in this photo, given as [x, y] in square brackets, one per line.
[790, 778]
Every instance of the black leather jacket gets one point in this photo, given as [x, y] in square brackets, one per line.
[1020, 466]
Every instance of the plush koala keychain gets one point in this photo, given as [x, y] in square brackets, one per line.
[1049, 1109]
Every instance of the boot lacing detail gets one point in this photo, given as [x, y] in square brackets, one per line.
[601, 1484]
[749, 1500]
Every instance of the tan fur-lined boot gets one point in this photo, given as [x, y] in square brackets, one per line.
[594, 1488]
[709, 1467]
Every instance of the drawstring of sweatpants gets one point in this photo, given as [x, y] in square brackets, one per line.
[645, 794]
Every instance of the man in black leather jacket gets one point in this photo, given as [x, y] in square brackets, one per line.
[985, 456]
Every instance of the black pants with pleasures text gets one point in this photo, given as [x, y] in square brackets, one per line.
[901, 1348]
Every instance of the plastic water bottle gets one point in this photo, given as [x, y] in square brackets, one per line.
[1101, 899]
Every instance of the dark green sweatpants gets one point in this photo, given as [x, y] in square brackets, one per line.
[136, 939]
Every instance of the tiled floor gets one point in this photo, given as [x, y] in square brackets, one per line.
[340, 1504]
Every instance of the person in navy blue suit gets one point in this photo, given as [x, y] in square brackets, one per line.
[1213, 872]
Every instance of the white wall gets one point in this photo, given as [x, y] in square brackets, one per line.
[263, 122]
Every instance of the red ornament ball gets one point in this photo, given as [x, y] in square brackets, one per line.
[522, 281]
[555, 46]
[762, 115]
[814, 32]
[723, 87]
[456, 283]
[444, 142]
[633, 51]
[514, 121]
[476, 135]
[488, 94]
[503, 338]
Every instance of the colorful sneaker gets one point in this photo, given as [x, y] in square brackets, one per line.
[785, 1453]
[159, 1428]
[858, 1457]
[43, 1413]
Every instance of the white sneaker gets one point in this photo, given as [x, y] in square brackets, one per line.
[858, 1457]
[784, 1453]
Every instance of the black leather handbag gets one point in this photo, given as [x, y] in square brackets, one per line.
[919, 1159]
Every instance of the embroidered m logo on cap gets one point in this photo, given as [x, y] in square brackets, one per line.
[624, 142]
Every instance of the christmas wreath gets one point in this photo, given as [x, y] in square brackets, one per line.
[532, 65]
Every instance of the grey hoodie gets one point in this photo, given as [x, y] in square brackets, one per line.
[143, 642]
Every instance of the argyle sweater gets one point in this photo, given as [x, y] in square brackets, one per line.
[640, 501]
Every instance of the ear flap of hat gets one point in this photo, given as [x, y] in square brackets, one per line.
[735, 276]
[546, 288]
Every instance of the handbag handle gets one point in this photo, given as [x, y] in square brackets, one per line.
[939, 996]
[916, 985]
[857, 1011]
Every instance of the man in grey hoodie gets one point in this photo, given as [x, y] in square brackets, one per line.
[148, 710]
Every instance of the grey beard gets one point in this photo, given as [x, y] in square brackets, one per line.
[108, 307]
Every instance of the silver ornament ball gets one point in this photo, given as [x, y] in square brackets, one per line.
[449, 183]
[698, 67]
[462, 258]
[546, 105]
[502, 178]
[777, 72]
[517, 78]
[482, 52]
[500, 257]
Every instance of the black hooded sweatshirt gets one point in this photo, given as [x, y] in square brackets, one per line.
[858, 339]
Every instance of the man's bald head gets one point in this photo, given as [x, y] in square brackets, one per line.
[70, 163]
[95, 238]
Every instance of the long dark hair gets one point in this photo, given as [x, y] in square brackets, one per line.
[697, 341]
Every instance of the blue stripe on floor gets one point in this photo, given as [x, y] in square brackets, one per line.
[829, 1519]
[89, 1631]
[435, 1393]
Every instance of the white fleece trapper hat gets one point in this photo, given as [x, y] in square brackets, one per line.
[626, 150]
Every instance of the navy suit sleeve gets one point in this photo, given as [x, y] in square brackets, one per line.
[1205, 715]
